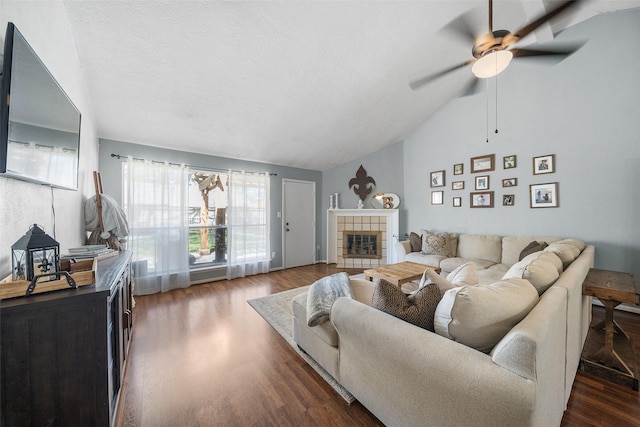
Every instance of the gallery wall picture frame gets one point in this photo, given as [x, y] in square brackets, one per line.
[483, 163]
[457, 185]
[437, 197]
[508, 199]
[510, 182]
[544, 164]
[437, 179]
[457, 202]
[509, 162]
[458, 169]
[482, 182]
[544, 195]
[481, 199]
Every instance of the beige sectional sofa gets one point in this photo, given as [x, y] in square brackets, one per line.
[409, 376]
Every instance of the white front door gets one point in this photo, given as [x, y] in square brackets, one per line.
[299, 222]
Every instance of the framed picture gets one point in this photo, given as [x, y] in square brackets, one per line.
[510, 182]
[437, 179]
[458, 169]
[483, 163]
[457, 202]
[508, 199]
[457, 185]
[481, 199]
[544, 164]
[482, 182]
[437, 197]
[544, 195]
[509, 162]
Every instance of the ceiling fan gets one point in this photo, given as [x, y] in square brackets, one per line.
[492, 52]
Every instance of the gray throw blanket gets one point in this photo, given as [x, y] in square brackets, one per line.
[323, 293]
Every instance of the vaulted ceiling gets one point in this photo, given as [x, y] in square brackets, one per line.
[309, 84]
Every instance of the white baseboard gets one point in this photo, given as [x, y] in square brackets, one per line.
[621, 307]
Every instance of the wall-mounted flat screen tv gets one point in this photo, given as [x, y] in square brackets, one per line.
[40, 126]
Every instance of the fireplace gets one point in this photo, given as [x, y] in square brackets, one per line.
[362, 244]
[379, 226]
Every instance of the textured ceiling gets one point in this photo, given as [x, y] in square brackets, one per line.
[297, 83]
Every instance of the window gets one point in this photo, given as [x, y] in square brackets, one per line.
[208, 237]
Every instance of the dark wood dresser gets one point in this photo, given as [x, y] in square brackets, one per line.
[63, 352]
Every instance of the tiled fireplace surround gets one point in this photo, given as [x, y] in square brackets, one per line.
[339, 220]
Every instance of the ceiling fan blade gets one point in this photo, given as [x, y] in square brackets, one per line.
[471, 88]
[521, 33]
[557, 53]
[463, 28]
[428, 79]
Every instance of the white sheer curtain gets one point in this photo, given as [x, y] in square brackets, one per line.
[155, 202]
[248, 224]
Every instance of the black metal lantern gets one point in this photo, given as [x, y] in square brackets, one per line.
[34, 254]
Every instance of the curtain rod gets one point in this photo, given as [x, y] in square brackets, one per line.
[206, 168]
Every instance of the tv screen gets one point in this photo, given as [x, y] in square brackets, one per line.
[40, 126]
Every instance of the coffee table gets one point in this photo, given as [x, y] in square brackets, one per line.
[399, 273]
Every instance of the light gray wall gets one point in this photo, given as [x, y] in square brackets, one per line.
[59, 212]
[584, 110]
[111, 173]
[384, 166]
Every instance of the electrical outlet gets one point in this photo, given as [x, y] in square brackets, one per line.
[273, 254]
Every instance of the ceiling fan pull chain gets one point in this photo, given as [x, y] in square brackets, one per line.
[487, 122]
[496, 104]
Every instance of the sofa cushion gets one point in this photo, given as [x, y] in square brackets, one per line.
[480, 246]
[479, 316]
[513, 245]
[417, 308]
[542, 269]
[449, 264]
[436, 243]
[415, 240]
[420, 258]
[531, 248]
[567, 252]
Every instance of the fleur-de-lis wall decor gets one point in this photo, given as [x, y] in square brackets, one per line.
[361, 183]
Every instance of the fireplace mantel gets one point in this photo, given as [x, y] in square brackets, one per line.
[392, 230]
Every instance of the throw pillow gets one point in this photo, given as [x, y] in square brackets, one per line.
[479, 316]
[466, 274]
[541, 269]
[417, 308]
[430, 276]
[416, 242]
[435, 243]
[532, 248]
[565, 251]
[575, 242]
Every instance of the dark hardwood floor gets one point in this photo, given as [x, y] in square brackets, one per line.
[203, 357]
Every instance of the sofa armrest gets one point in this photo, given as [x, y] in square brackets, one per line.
[402, 249]
[387, 364]
[362, 290]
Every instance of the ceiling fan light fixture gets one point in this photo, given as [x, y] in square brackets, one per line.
[492, 64]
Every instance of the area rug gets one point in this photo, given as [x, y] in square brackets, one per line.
[276, 310]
